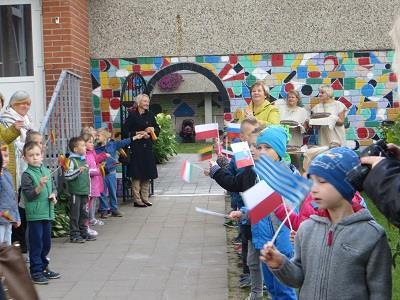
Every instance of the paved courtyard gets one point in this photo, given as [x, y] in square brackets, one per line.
[167, 251]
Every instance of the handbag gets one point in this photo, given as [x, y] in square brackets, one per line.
[15, 279]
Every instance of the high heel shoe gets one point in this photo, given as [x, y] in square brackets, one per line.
[135, 204]
[147, 203]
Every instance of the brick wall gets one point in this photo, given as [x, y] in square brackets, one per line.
[66, 46]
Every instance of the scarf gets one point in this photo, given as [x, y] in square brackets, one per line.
[8, 118]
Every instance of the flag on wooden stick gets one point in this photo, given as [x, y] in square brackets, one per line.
[205, 153]
[242, 154]
[261, 200]
[206, 131]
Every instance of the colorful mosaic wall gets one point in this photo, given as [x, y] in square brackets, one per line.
[363, 81]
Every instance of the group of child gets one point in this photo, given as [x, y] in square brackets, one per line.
[330, 248]
[89, 175]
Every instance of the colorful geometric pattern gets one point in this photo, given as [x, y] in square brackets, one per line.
[363, 81]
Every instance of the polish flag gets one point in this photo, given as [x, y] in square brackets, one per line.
[261, 200]
[206, 131]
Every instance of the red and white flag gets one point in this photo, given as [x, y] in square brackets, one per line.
[206, 131]
[261, 200]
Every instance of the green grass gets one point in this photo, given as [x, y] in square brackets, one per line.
[394, 237]
[191, 147]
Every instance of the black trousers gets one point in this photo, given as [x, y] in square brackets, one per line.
[245, 233]
[78, 216]
[19, 234]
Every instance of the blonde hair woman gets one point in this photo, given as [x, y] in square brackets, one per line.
[337, 112]
[16, 115]
[142, 166]
[260, 107]
[293, 114]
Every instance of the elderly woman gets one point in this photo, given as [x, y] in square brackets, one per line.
[142, 166]
[260, 107]
[15, 117]
[333, 130]
[295, 116]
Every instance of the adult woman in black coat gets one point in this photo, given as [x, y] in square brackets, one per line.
[142, 166]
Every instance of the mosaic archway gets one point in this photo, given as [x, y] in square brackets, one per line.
[194, 68]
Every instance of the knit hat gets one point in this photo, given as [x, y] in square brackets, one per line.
[275, 137]
[333, 166]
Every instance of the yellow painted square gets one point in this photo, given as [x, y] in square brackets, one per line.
[105, 105]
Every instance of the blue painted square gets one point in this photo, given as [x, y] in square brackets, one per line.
[302, 72]
[212, 59]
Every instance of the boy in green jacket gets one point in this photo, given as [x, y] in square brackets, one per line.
[39, 198]
[78, 183]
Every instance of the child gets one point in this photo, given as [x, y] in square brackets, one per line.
[110, 180]
[247, 126]
[308, 207]
[78, 183]
[272, 142]
[8, 201]
[96, 179]
[343, 254]
[39, 198]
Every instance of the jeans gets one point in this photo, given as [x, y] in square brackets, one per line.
[78, 216]
[39, 233]
[110, 185]
[5, 233]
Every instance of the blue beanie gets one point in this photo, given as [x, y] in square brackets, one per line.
[333, 166]
[275, 137]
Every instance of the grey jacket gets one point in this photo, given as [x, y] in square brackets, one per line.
[350, 260]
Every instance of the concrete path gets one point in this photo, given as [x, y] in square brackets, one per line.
[167, 251]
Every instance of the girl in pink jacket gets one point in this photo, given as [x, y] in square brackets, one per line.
[96, 179]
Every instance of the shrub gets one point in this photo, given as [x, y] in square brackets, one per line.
[165, 146]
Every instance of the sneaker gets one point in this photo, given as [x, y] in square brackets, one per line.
[39, 278]
[89, 238]
[77, 240]
[254, 297]
[104, 215]
[50, 274]
[117, 213]
[237, 241]
[230, 224]
[245, 282]
[94, 222]
[92, 232]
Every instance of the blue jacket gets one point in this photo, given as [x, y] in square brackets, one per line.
[8, 200]
[264, 230]
[111, 148]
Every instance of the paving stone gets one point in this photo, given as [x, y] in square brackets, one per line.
[167, 251]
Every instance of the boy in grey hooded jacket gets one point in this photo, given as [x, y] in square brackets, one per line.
[340, 253]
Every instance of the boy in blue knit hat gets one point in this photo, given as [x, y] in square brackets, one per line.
[340, 253]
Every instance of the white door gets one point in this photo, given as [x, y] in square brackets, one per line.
[21, 53]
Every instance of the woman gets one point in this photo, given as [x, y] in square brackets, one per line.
[334, 132]
[142, 166]
[16, 115]
[260, 107]
[295, 116]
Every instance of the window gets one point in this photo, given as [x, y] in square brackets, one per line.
[16, 58]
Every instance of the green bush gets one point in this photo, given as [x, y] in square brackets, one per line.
[391, 133]
[165, 146]
[61, 221]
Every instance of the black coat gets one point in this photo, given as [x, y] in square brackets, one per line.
[142, 163]
[382, 185]
[236, 183]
